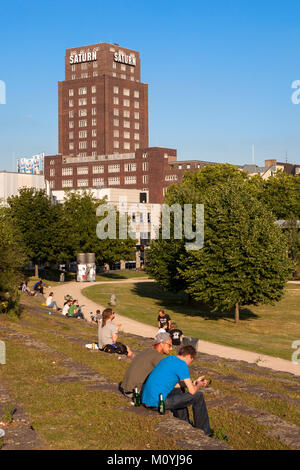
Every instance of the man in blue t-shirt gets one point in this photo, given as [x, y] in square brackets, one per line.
[166, 375]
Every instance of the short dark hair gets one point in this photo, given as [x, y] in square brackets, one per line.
[98, 311]
[187, 350]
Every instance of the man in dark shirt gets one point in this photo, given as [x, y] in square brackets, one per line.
[144, 363]
[176, 334]
[163, 319]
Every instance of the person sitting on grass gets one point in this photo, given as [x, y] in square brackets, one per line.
[176, 335]
[108, 335]
[144, 363]
[24, 288]
[97, 317]
[50, 303]
[67, 298]
[166, 375]
[163, 319]
[38, 287]
[66, 307]
[74, 310]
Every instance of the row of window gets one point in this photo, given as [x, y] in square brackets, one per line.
[83, 134]
[95, 74]
[83, 102]
[126, 124]
[84, 75]
[84, 66]
[84, 170]
[126, 92]
[126, 103]
[123, 67]
[126, 134]
[126, 114]
[126, 145]
[82, 123]
[82, 90]
[112, 181]
[171, 178]
[83, 145]
[100, 168]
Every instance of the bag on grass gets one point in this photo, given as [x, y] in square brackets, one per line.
[117, 348]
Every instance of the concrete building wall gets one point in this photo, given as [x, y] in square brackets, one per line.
[11, 183]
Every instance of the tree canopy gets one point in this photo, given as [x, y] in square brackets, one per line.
[12, 262]
[244, 259]
[54, 233]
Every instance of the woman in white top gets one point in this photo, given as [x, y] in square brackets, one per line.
[108, 331]
[50, 303]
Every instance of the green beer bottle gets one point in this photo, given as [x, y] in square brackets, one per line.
[161, 404]
[136, 397]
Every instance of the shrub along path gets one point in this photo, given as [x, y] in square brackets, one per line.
[63, 388]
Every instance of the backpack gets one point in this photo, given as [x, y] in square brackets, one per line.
[117, 348]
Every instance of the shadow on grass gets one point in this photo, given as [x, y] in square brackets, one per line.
[183, 305]
[112, 276]
[122, 275]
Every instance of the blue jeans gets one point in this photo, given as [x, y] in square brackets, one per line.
[178, 402]
[78, 314]
[52, 304]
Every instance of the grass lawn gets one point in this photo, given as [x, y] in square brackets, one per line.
[68, 415]
[265, 329]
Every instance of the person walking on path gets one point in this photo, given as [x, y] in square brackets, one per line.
[162, 380]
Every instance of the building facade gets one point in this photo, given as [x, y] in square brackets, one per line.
[103, 106]
[11, 183]
[151, 170]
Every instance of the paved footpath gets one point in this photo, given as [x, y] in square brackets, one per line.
[138, 328]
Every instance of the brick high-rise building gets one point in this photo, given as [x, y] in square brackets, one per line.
[103, 106]
[103, 128]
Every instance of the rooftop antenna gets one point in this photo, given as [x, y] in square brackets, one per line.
[253, 157]
[286, 157]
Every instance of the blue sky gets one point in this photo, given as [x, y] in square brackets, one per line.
[219, 73]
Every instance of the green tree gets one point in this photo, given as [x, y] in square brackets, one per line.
[244, 259]
[12, 262]
[281, 194]
[45, 233]
[80, 214]
[163, 258]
